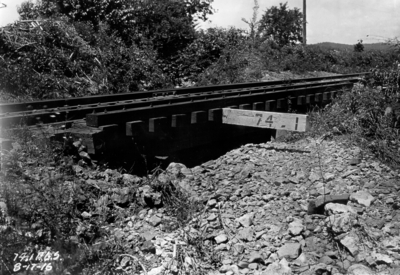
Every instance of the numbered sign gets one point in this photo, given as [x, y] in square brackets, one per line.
[261, 119]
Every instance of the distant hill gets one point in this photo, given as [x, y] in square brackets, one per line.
[367, 47]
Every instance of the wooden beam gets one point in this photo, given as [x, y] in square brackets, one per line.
[215, 115]
[310, 99]
[270, 105]
[109, 128]
[326, 96]
[259, 106]
[318, 98]
[135, 128]
[301, 100]
[198, 117]
[245, 106]
[280, 103]
[271, 120]
[179, 121]
[157, 124]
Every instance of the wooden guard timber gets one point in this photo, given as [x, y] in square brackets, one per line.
[165, 121]
[270, 120]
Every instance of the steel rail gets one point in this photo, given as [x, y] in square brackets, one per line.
[57, 103]
[77, 112]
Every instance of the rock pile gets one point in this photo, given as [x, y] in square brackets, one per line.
[311, 207]
[257, 215]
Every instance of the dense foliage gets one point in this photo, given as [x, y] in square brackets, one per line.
[76, 48]
[64, 48]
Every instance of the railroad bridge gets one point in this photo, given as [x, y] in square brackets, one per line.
[166, 122]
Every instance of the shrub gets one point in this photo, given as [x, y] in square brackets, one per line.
[367, 115]
[50, 203]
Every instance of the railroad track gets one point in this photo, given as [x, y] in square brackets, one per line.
[96, 108]
[170, 113]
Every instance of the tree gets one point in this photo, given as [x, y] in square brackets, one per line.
[282, 25]
[208, 47]
[81, 47]
[359, 47]
[169, 25]
[253, 23]
[40, 9]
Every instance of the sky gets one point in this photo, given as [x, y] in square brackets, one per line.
[339, 21]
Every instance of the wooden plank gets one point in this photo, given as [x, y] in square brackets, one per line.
[326, 96]
[245, 106]
[318, 98]
[135, 128]
[157, 124]
[109, 128]
[179, 121]
[270, 105]
[198, 117]
[301, 100]
[259, 106]
[310, 99]
[271, 120]
[280, 103]
[215, 115]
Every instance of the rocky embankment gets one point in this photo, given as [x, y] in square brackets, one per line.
[265, 213]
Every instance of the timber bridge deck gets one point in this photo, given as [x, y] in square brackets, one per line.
[164, 121]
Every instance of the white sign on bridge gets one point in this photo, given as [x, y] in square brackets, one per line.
[261, 119]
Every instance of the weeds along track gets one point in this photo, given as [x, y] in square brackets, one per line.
[138, 106]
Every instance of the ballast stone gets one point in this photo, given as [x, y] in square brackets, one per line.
[278, 268]
[246, 220]
[221, 239]
[359, 269]
[351, 243]
[289, 250]
[296, 227]
[362, 197]
[337, 208]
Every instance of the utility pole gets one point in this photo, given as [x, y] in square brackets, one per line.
[304, 23]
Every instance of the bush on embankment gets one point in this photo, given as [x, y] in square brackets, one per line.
[368, 115]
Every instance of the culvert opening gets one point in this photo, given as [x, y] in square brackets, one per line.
[140, 163]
